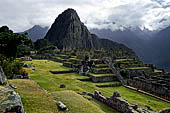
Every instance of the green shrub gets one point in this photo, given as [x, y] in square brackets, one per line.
[10, 66]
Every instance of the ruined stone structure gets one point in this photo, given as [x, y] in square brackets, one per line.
[118, 103]
[158, 85]
[123, 106]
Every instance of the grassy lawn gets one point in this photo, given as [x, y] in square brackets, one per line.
[34, 99]
[76, 103]
[51, 82]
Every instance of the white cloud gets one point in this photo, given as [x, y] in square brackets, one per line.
[23, 14]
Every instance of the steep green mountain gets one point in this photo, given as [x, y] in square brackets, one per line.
[69, 32]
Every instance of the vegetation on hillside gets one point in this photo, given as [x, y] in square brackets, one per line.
[11, 46]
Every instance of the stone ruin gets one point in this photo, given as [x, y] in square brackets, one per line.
[118, 103]
[145, 79]
[155, 84]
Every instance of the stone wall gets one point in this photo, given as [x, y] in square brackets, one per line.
[101, 71]
[152, 86]
[104, 78]
[165, 111]
[110, 85]
[61, 72]
[68, 64]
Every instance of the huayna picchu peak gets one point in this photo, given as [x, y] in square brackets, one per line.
[69, 32]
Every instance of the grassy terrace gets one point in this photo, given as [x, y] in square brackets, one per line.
[51, 83]
[101, 65]
[100, 75]
[133, 68]
[106, 83]
[157, 71]
[95, 59]
[101, 68]
[34, 99]
[122, 60]
[74, 101]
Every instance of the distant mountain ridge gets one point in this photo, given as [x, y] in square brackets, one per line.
[69, 32]
[154, 49]
[161, 49]
[36, 32]
[126, 37]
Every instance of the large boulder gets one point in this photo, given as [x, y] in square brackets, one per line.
[10, 101]
[3, 79]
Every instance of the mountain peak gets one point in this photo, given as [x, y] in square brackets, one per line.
[36, 32]
[69, 14]
[70, 10]
[69, 32]
[67, 26]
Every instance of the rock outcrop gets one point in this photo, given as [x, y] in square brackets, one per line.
[10, 101]
[69, 32]
[3, 78]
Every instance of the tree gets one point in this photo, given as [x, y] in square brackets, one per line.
[41, 43]
[9, 43]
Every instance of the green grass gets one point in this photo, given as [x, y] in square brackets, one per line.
[157, 71]
[95, 60]
[102, 106]
[74, 58]
[140, 99]
[59, 58]
[101, 68]
[46, 65]
[100, 75]
[76, 103]
[106, 83]
[101, 65]
[68, 62]
[51, 82]
[121, 60]
[34, 99]
[137, 68]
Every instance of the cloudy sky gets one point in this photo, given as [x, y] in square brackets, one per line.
[20, 15]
